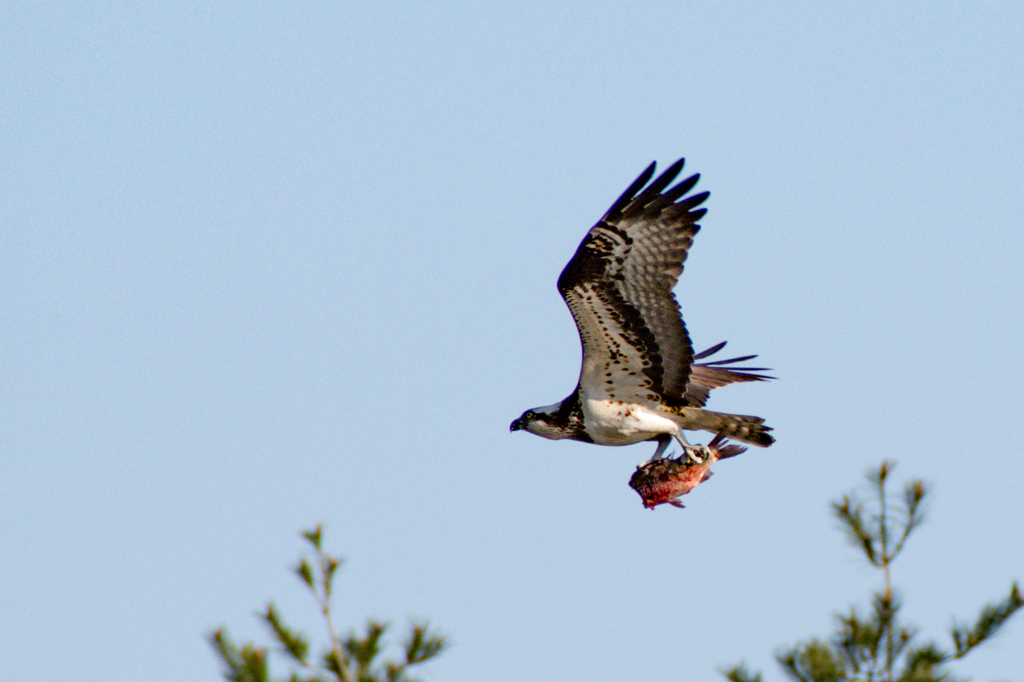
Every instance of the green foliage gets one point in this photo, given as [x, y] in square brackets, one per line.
[740, 673]
[877, 646]
[247, 664]
[354, 658]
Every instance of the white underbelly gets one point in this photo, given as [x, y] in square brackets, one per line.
[610, 422]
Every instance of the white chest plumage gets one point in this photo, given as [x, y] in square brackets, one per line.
[613, 422]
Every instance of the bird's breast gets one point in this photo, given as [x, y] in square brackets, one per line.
[614, 422]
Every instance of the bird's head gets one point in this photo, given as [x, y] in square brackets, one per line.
[540, 421]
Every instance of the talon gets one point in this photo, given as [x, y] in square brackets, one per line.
[698, 454]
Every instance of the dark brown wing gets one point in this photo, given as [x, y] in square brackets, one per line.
[619, 284]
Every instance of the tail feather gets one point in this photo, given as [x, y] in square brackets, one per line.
[724, 449]
[739, 427]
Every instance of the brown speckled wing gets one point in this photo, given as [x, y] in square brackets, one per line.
[618, 287]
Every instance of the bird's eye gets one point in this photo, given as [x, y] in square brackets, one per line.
[529, 414]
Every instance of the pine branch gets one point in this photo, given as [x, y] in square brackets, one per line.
[812, 662]
[295, 644]
[364, 650]
[423, 645]
[335, 660]
[913, 497]
[305, 573]
[990, 620]
[739, 673]
[850, 513]
[873, 647]
[314, 536]
[922, 665]
[248, 664]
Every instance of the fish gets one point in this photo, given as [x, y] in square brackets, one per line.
[664, 481]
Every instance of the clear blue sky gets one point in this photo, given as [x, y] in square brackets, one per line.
[269, 266]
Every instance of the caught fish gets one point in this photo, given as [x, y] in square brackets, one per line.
[661, 481]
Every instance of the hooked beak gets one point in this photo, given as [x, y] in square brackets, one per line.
[516, 425]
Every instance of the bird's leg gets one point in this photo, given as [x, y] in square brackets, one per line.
[697, 454]
[664, 441]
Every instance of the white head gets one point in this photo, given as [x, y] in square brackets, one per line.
[542, 421]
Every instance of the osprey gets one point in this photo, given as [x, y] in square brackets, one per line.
[639, 379]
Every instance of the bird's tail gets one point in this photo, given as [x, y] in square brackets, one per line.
[736, 426]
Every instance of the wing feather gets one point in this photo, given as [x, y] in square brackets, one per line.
[619, 284]
[710, 375]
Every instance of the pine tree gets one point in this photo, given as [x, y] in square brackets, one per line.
[345, 659]
[877, 646]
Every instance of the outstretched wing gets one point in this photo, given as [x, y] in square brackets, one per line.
[618, 287]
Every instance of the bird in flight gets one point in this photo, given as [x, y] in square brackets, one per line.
[640, 380]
